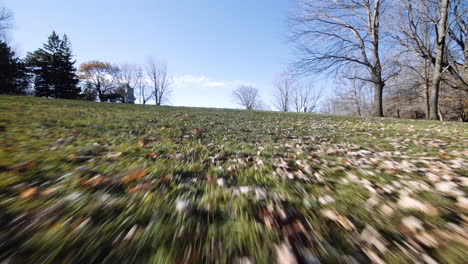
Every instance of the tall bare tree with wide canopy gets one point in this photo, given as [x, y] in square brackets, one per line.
[338, 35]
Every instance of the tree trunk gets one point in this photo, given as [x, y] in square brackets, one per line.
[156, 93]
[376, 69]
[377, 108]
[441, 117]
[437, 77]
[100, 95]
[427, 108]
[465, 67]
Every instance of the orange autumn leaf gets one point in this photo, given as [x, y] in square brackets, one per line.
[132, 190]
[198, 131]
[133, 175]
[93, 181]
[72, 157]
[49, 191]
[31, 163]
[28, 193]
[97, 180]
[27, 164]
[152, 154]
[164, 179]
[141, 143]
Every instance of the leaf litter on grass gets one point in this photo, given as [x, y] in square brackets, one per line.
[127, 183]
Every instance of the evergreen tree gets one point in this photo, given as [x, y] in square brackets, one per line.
[66, 72]
[14, 78]
[54, 70]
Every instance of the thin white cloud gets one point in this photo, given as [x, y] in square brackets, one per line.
[202, 90]
[202, 81]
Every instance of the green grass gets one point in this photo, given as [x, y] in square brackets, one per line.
[84, 182]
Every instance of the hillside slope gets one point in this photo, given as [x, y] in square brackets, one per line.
[84, 182]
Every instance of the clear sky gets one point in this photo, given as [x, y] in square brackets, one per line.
[211, 46]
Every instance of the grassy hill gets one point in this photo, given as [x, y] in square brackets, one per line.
[84, 182]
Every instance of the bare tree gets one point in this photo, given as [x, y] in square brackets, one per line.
[403, 96]
[160, 80]
[144, 91]
[247, 97]
[457, 48]
[282, 97]
[130, 74]
[453, 104]
[330, 105]
[131, 78]
[438, 67]
[305, 98]
[441, 57]
[331, 35]
[415, 34]
[355, 94]
[6, 20]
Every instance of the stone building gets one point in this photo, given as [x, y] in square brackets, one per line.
[129, 95]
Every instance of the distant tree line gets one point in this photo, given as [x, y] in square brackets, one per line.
[50, 72]
[290, 94]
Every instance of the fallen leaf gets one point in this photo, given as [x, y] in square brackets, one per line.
[133, 175]
[49, 191]
[407, 202]
[94, 181]
[24, 165]
[285, 254]
[412, 223]
[113, 156]
[426, 239]
[28, 193]
[374, 238]
[342, 220]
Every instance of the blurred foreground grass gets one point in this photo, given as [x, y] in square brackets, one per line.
[84, 182]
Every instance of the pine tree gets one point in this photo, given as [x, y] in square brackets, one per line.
[67, 86]
[54, 70]
[14, 78]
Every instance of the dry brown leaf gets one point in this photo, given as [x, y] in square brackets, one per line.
[24, 165]
[285, 254]
[133, 175]
[28, 193]
[49, 191]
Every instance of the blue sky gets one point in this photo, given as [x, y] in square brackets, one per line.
[211, 46]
